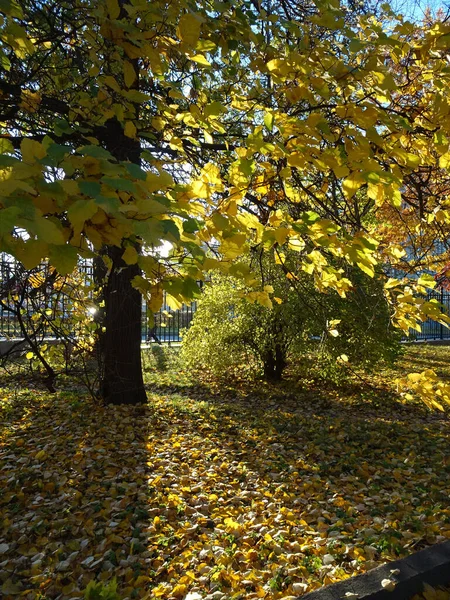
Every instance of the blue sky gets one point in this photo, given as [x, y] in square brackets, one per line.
[415, 9]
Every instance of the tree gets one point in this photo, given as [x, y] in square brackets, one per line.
[127, 123]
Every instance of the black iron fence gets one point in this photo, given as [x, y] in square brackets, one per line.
[36, 295]
[430, 329]
[167, 323]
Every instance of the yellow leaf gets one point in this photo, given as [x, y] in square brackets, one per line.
[444, 161]
[111, 83]
[131, 50]
[130, 256]
[281, 234]
[30, 101]
[130, 129]
[352, 184]
[367, 268]
[129, 73]
[296, 160]
[32, 150]
[159, 590]
[113, 9]
[232, 526]
[188, 29]
[263, 299]
[29, 355]
[200, 189]
[200, 60]
[172, 302]
[6, 147]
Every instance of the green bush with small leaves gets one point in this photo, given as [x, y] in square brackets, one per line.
[230, 333]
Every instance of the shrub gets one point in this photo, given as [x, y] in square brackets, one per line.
[366, 335]
[229, 332]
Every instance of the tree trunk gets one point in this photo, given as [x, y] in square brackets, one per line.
[274, 363]
[122, 381]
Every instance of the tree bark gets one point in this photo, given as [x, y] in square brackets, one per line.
[122, 381]
[274, 363]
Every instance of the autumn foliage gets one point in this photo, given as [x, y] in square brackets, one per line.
[217, 129]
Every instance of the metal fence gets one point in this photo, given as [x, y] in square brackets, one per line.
[430, 329]
[168, 323]
[166, 328]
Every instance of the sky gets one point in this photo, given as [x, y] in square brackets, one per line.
[415, 9]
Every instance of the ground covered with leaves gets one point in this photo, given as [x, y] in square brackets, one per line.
[217, 491]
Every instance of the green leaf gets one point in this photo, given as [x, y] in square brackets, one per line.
[8, 161]
[90, 188]
[8, 219]
[63, 258]
[246, 166]
[195, 250]
[162, 200]
[170, 228]
[118, 183]
[190, 226]
[32, 253]
[190, 288]
[56, 152]
[47, 230]
[96, 152]
[150, 231]
[214, 109]
[108, 204]
[136, 171]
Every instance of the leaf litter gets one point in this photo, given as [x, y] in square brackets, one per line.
[202, 494]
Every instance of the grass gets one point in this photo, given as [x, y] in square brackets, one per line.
[227, 490]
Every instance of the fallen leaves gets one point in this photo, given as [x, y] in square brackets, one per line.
[433, 593]
[205, 496]
[388, 584]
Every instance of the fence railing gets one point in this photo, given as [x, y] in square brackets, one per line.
[430, 329]
[166, 328]
[168, 323]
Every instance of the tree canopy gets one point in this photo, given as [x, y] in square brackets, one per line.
[219, 127]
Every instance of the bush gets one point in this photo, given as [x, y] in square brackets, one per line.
[229, 332]
[366, 336]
